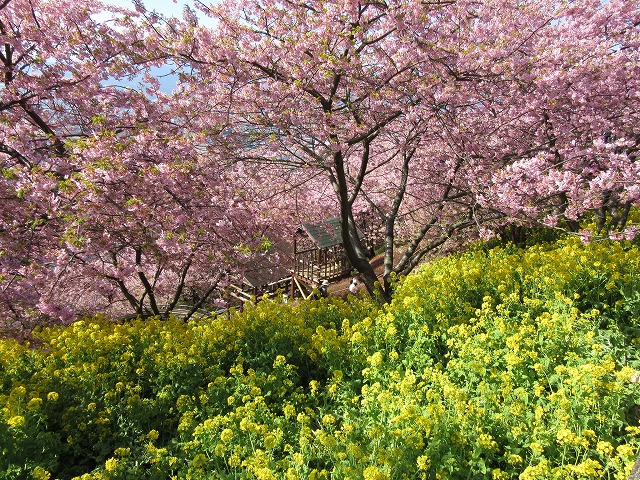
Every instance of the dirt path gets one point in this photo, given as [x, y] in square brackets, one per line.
[341, 287]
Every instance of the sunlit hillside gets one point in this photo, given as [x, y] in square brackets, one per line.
[495, 364]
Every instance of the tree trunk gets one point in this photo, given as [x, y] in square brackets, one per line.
[357, 255]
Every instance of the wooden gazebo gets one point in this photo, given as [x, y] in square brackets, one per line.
[263, 276]
[318, 254]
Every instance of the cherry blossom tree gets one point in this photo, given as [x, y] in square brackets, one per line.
[110, 204]
[554, 109]
[333, 87]
[47, 64]
[149, 219]
[442, 117]
[439, 120]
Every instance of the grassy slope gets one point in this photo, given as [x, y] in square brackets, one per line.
[495, 364]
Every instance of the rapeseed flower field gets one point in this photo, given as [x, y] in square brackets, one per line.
[499, 364]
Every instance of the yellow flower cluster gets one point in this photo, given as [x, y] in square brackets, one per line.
[498, 364]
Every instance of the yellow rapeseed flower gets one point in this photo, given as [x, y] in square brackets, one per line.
[605, 448]
[497, 474]
[16, 421]
[374, 473]
[111, 464]
[289, 410]
[514, 459]
[226, 435]
[40, 473]
[270, 442]
[424, 462]
[34, 403]
[298, 459]
[588, 469]
[536, 448]
[291, 474]
[539, 471]
[122, 452]
[20, 391]
[328, 419]
[626, 452]
[568, 437]
[200, 460]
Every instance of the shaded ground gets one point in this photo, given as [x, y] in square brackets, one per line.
[341, 287]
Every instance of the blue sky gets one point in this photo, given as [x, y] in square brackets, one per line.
[168, 8]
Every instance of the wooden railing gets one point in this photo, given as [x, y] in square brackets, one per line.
[321, 264]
